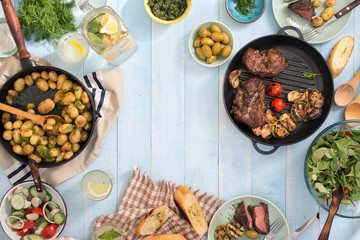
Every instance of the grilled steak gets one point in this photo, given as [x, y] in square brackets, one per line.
[260, 216]
[267, 64]
[249, 103]
[304, 8]
[243, 216]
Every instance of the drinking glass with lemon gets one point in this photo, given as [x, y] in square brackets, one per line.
[73, 48]
[96, 185]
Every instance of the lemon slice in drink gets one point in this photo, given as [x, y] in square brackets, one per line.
[319, 154]
[109, 24]
[99, 190]
[78, 46]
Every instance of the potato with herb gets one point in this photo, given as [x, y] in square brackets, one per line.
[46, 106]
[317, 22]
[328, 13]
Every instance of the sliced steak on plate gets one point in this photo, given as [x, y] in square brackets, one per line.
[304, 8]
[243, 216]
[249, 103]
[260, 216]
[267, 64]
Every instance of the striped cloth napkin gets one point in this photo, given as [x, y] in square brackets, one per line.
[106, 88]
[143, 194]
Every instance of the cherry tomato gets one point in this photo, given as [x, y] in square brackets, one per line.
[27, 211]
[274, 89]
[49, 231]
[38, 211]
[24, 232]
[277, 104]
[29, 225]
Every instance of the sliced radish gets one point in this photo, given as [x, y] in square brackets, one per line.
[53, 212]
[27, 204]
[18, 190]
[18, 225]
[32, 216]
[25, 191]
[36, 202]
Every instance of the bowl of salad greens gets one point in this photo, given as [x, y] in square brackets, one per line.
[333, 160]
[24, 215]
[167, 12]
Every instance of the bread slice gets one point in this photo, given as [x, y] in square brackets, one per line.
[191, 207]
[340, 55]
[167, 237]
[153, 220]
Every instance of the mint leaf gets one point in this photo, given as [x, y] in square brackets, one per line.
[109, 235]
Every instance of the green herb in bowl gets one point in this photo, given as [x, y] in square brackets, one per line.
[167, 9]
[333, 161]
[245, 6]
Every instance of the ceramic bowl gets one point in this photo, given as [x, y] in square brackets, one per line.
[159, 20]
[345, 211]
[219, 59]
[11, 52]
[254, 15]
[5, 208]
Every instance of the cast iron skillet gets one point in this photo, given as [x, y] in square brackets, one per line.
[31, 94]
[302, 57]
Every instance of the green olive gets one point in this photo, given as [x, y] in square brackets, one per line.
[209, 34]
[215, 28]
[226, 38]
[216, 48]
[251, 234]
[226, 51]
[206, 50]
[211, 59]
[207, 41]
[197, 42]
[200, 53]
[217, 37]
[203, 32]
[222, 46]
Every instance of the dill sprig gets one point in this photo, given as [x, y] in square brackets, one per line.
[46, 19]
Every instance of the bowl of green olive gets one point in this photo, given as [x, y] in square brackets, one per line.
[211, 43]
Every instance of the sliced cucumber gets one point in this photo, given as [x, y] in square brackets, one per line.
[234, 229]
[17, 201]
[33, 192]
[40, 220]
[48, 215]
[59, 218]
[43, 225]
[36, 237]
[53, 206]
[20, 213]
[47, 196]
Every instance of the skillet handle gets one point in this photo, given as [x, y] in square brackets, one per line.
[15, 28]
[255, 145]
[282, 31]
[36, 175]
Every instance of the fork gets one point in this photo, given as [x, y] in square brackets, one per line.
[274, 229]
[315, 31]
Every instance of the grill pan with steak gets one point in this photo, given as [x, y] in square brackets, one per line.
[267, 64]
[301, 57]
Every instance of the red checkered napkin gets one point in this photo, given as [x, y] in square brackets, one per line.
[143, 194]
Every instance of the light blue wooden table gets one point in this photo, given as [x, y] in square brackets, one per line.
[173, 125]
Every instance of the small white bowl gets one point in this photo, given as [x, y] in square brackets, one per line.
[219, 59]
[5, 208]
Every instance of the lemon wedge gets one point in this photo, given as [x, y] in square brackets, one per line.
[99, 190]
[109, 24]
[78, 46]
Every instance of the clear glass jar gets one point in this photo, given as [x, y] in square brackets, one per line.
[108, 36]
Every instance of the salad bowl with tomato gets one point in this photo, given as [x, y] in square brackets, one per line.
[24, 215]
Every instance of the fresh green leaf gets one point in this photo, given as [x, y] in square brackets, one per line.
[109, 235]
[311, 75]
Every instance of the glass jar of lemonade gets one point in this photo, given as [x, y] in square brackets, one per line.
[108, 35]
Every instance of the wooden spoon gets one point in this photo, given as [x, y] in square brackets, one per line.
[338, 195]
[346, 92]
[352, 111]
[37, 118]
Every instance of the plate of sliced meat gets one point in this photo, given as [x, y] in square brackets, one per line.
[299, 107]
[301, 13]
[246, 217]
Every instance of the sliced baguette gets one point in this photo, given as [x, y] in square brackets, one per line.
[153, 220]
[167, 237]
[340, 55]
[191, 207]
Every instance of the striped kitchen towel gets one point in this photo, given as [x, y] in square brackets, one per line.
[106, 88]
[143, 194]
